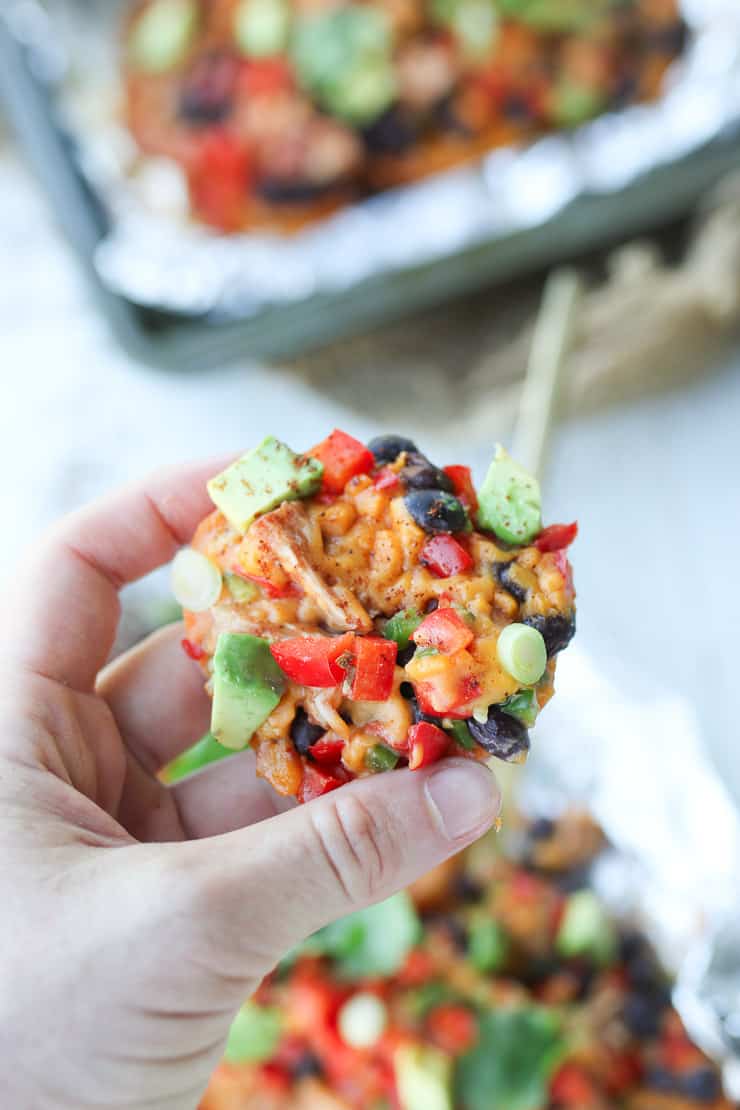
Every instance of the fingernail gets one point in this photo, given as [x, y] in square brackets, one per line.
[463, 797]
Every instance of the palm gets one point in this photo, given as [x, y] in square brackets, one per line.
[112, 727]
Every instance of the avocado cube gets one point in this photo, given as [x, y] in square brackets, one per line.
[586, 929]
[509, 501]
[261, 480]
[247, 686]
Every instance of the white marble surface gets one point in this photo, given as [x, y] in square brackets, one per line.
[655, 485]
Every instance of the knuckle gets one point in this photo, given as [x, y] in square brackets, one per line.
[358, 846]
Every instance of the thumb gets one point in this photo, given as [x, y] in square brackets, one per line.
[265, 888]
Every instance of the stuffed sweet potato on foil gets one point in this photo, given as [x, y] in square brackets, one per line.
[279, 111]
[357, 608]
[495, 985]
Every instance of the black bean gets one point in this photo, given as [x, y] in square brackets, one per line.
[454, 928]
[391, 133]
[701, 1084]
[407, 691]
[405, 655]
[542, 828]
[661, 1079]
[468, 889]
[446, 115]
[502, 735]
[557, 631]
[436, 511]
[284, 191]
[386, 449]
[517, 108]
[431, 606]
[419, 473]
[207, 94]
[642, 1014]
[632, 944]
[501, 571]
[573, 880]
[668, 40]
[644, 974]
[304, 732]
[307, 1066]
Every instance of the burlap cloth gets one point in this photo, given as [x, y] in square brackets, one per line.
[456, 371]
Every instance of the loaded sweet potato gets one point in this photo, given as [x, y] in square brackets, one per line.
[357, 608]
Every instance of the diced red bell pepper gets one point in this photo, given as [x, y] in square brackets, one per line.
[320, 780]
[427, 744]
[557, 537]
[445, 556]
[386, 479]
[453, 1028]
[219, 180]
[273, 1078]
[326, 751]
[272, 589]
[375, 660]
[418, 969]
[445, 630]
[571, 1086]
[194, 651]
[462, 480]
[263, 76]
[623, 1071]
[343, 457]
[562, 562]
[313, 660]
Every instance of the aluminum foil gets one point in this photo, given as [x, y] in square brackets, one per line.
[633, 755]
[156, 258]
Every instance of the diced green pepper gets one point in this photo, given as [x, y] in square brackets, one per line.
[523, 706]
[461, 733]
[380, 758]
[402, 626]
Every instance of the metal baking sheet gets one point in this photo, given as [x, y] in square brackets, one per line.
[182, 295]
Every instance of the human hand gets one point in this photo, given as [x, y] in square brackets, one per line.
[136, 918]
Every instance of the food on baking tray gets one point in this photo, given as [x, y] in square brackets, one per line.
[496, 984]
[281, 111]
[357, 608]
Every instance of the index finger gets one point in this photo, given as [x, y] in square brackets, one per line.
[61, 618]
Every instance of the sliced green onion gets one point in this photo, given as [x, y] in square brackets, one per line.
[522, 653]
[161, 35]
[206, 751]
[380, 758]
[362, 1020]
[261, 27]
[196, 581]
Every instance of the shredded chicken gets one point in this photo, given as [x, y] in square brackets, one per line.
[287, 533]
[322, 707]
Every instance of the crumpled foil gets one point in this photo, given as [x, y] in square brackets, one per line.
[165, 262]
[632, 754]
